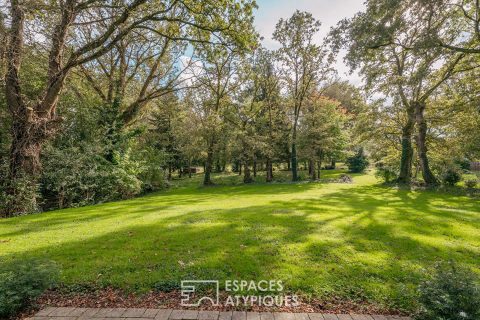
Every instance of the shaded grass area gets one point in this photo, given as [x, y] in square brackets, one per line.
[360, 241]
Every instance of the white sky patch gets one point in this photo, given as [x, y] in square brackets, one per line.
[329, 12]
[191, 68]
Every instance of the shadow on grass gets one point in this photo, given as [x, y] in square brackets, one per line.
[362, 242]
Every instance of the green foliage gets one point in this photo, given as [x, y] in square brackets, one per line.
[358, 163]
[471, 183]
[463, 164]
[24, 196]
[78, 176]
[450, 176]
[385, 172]
[451, 293]
[21, 283]
[152, 174]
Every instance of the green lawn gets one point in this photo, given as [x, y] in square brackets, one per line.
[354, 241]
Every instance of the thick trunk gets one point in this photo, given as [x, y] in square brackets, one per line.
[334, 164]
[269, 170]
[407, 149]
[247, 177]
[428, 175]
[24, 169]
[25, 149]
[208, 166]
[319, 168]
[29, 133]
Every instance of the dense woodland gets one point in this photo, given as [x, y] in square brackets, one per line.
[105, 100]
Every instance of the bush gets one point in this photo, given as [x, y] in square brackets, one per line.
[345, 178]
[21, 284]
[464, 164]
[385, 172]
[358, 163]
[452, 293]
[451, 176]
[78, 176]
[472, 183]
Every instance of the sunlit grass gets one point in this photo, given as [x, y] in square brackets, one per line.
[356, 241]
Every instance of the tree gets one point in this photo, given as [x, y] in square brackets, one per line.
[304, 65]
[452, 24]
[244, 113]
[386, 45]
[34, 119]
[163, 122]
[322, 132]
[358, 163]
[272, 122]
[214, 82]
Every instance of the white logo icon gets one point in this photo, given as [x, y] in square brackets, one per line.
[190, 287]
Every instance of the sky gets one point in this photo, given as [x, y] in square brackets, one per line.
[329, 12]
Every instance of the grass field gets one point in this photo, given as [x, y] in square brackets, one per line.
[360, 241]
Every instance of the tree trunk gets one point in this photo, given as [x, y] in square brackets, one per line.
[407, 149]
[207, 180]
[254, 169]
[189, 167]
[334, 164]
[311, 169]
[247, 177]
[269, 170]
[428, 175]
[319, 168]
[24, 167]
[294, 155]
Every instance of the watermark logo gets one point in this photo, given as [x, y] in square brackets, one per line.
[266, 293]
[190, 288]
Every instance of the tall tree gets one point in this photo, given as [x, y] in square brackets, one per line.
[385, 44]
[322, 132]
[452, 24]
[59, 37]
[214, 83]
[273, 121]
[304, 65]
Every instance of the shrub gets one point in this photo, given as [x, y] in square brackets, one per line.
[22, 283]
[385, 172]
[464, 164]
[78, 176]
[451, 176]
[472, 183]
[358, 163]
[450, 294]
[345, 178]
